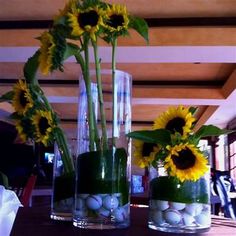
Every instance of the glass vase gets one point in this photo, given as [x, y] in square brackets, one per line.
[102, 199]
[62, 201]
[179, 207]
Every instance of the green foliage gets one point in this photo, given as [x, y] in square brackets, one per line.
[170, 189]
[160, 156]
[31, 67]
[141, 26]
[210, 130]
[7, 97]
[193, 110]
[158, 136]
[59, 51]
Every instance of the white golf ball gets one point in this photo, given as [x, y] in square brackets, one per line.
[177, 205]
[172, 216]
[119, 214]
[103, 212]
[193, 208]
[188, 219]
[157, 217]
[80, 204]
[159, 205]
[110, 202]
[94, 202]
[102, 195]
[203, 219]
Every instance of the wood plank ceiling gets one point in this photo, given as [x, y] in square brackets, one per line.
[190, 59]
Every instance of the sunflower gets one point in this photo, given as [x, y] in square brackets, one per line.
[22, 100]
[116, 18]
[43, 122]
[20, 131]
[69, 7]
[176, 120]
[186, 162]
[24, 128]
[88, 20]
[47, 50]
[144, 153]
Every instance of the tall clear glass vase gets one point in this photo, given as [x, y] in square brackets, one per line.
[102, 199]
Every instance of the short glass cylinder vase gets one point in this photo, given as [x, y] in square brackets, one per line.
[102, 199]
[62, 201]
[179, 207]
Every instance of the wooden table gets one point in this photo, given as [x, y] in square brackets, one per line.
[35, 221]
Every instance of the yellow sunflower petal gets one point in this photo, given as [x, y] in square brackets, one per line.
[86, 21]
[43, 123]
[186, 162]
[20, 131]
[46, 52]
[69, 7]
[22, 100]
[116, 18]
[143, 160]
[176, 120]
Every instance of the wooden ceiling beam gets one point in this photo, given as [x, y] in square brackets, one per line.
[230, 85]
[139, 92]
[144, 92]
[169, 36]
[214, 73]
[205, 116]
[44, 9]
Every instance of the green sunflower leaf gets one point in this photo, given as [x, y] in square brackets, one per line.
[7, 97]
[60, 21]
[31, 67]
[210, 130]
[161, 155]
[141, 26]
[15, 116]
[71, 49]
[159, 136]
[192, 110]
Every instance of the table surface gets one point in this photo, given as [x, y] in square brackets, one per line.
[35, 221]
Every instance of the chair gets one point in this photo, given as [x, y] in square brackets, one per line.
[224, 185]
[27, 191]
[23, 188]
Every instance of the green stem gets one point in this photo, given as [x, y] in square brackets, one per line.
[114, 92]
[64, 151]
[87, 81]
[100, 97]
[47, 104]
[60, 140]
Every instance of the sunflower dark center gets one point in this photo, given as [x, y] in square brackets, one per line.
[147, 149]
[43, 125]
[185, 160]
[88, 19]
[115, 21]
[176, 125]
[23, 99]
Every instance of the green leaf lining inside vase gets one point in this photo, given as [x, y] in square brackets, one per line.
[170, 189]
[64, 187]
[103, 173]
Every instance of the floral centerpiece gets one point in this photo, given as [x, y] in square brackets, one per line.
[179, 196]
[76, 32]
